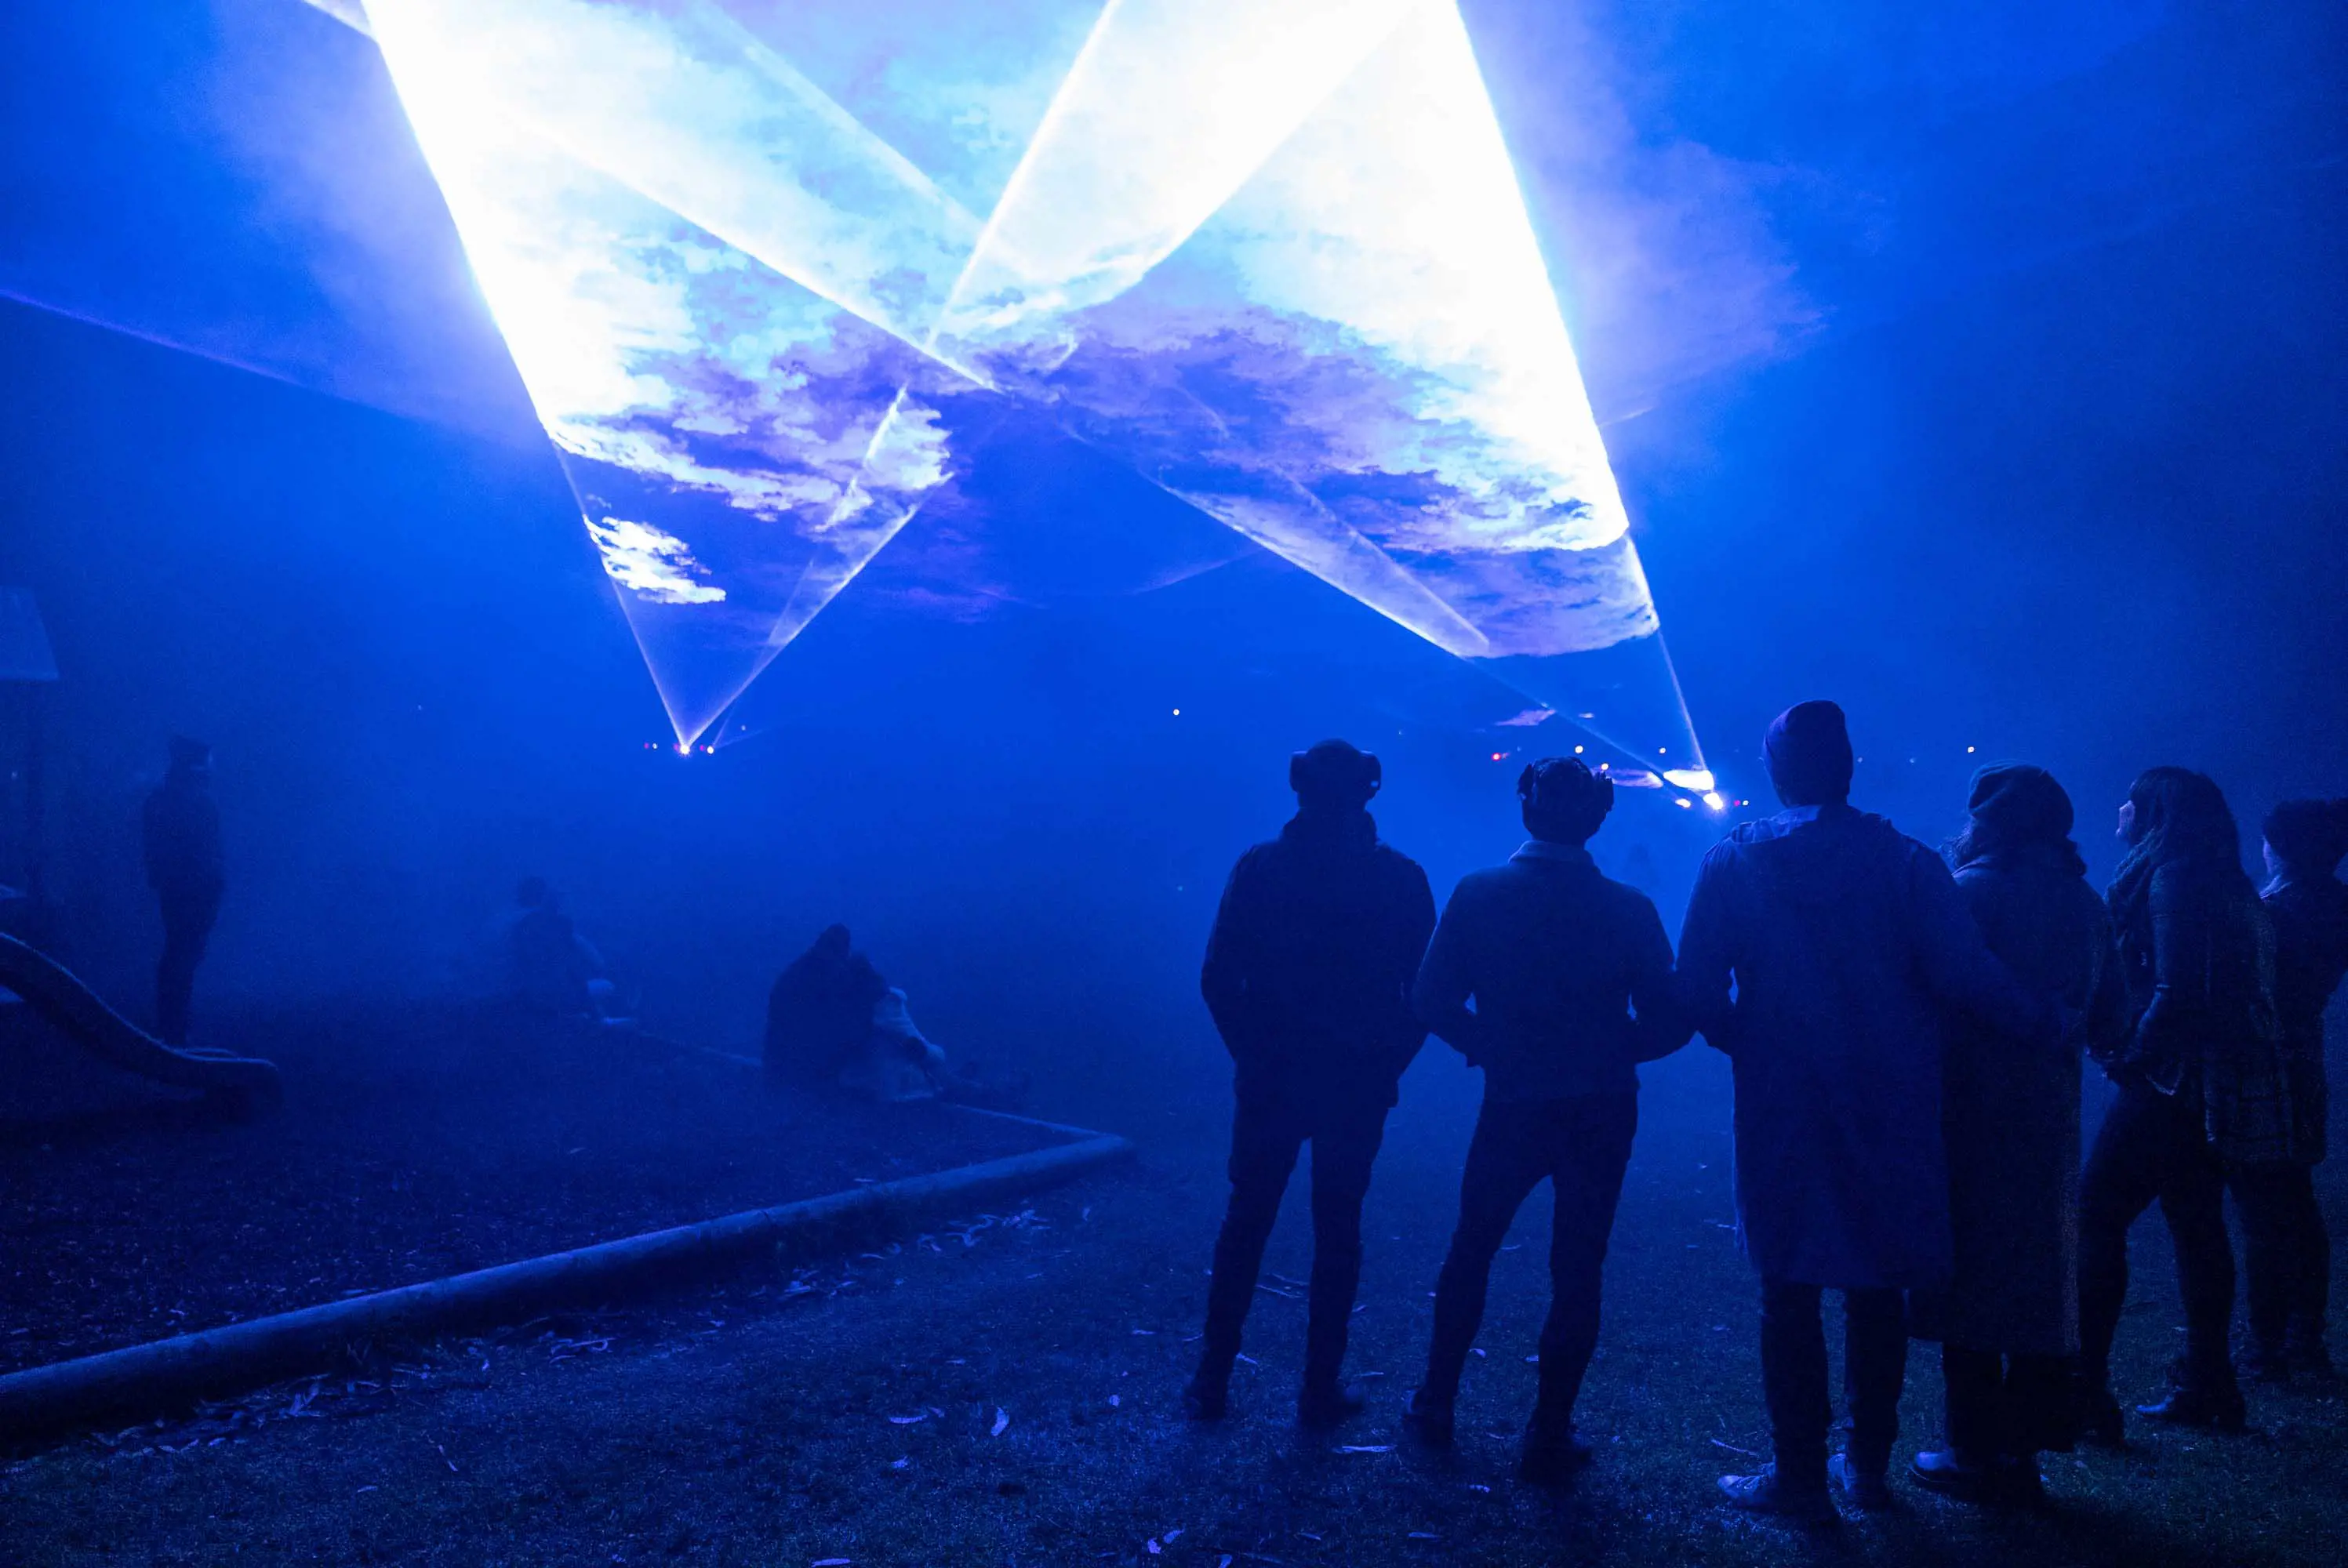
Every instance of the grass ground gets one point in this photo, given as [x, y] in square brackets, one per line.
[1007, 1394]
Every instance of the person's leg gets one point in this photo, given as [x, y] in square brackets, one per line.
[1504, 1162]
[2193, 1202]
[1345, 1148]
[1265, 1143]
[186, 930]
[1794, 1377]
[2271, 1258]
[1588, 1179]
[2041, 1405]
[1975, 1385]
[2310, 1287]
[2120, 1182]
[1874, 1371]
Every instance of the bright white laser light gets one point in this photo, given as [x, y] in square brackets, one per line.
[768, 271]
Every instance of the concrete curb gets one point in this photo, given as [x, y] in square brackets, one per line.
[165, 1375]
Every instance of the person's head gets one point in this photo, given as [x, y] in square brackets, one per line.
[191, 759]
[1562, 800]
[2176, 813]
[832, 943]
[1333, 776]
[532, 893]
[1809, 753]
[2016, 808]
[2306, 839]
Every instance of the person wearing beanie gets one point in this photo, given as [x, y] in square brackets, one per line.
[1308, 975]
[1825, 953]
[2288, 1253]
[1570, 974]
[2008, 1322]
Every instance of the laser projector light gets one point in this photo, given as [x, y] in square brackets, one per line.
[770, 271]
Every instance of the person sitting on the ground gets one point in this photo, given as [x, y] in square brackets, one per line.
[555, 969]
[1823, 951]
[834, 1022]
[1570, 975]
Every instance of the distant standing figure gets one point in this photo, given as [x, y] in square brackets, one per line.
[1845, 943]
[1571, 978]
[1308, 975]
[180, 831]
[2288, 1255]
[2202, 1086]
[2009, 1321]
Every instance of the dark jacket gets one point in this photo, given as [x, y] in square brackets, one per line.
[819, 1015]
[1309, 965]
[1846, 944]
[180, 835]
[2197, 951]
[1556, 957]
[2310, 929]
[2011, 1110]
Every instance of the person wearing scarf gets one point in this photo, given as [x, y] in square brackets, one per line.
[2286, 1253]
[1823, 951]
[2201, 1085]
[2008, 1322]
[1308, 975]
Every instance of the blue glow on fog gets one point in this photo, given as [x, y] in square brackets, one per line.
[1269, 252]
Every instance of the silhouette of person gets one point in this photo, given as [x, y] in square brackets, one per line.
[2287, 1254]
[1844, 941]
[2008, 1322]
[555, 969]
[180, 835]
[1308, 975]
[1570, 975]
[2201, 1085]
[834, 1021]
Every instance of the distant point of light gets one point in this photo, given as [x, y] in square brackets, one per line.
[1969, 751]
[1683, 802]
[1577, 750]
[1715, 800]
[1500, 756]
[1177, 712]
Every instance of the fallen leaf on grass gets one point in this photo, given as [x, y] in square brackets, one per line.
[899, 1464]
[909, 1420]
[1366, 1447]
[1002, 1420]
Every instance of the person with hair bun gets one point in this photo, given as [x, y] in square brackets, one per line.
[1570, 975]
[2201, 1087]
[2287, 1254]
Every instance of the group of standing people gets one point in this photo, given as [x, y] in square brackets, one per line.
[1905, 1030]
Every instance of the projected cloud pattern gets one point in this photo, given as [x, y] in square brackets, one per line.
[1269, 252]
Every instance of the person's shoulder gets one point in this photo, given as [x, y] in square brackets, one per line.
[1625, 900]
[1396, 863]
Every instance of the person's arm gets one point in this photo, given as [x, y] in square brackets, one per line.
[1658, 1025]
[2180, 976]
[1417, 931]
[2103, 1028]
[1447, 979]
[1231, 955]
[1957, 965]
[1702, 988]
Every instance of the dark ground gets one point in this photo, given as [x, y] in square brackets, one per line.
[411, 1145]
[1005, 1393]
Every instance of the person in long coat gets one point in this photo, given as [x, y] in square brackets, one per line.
[1845, 945]
[2009, 1320]
[2286, 1252]
[2202, 1086]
